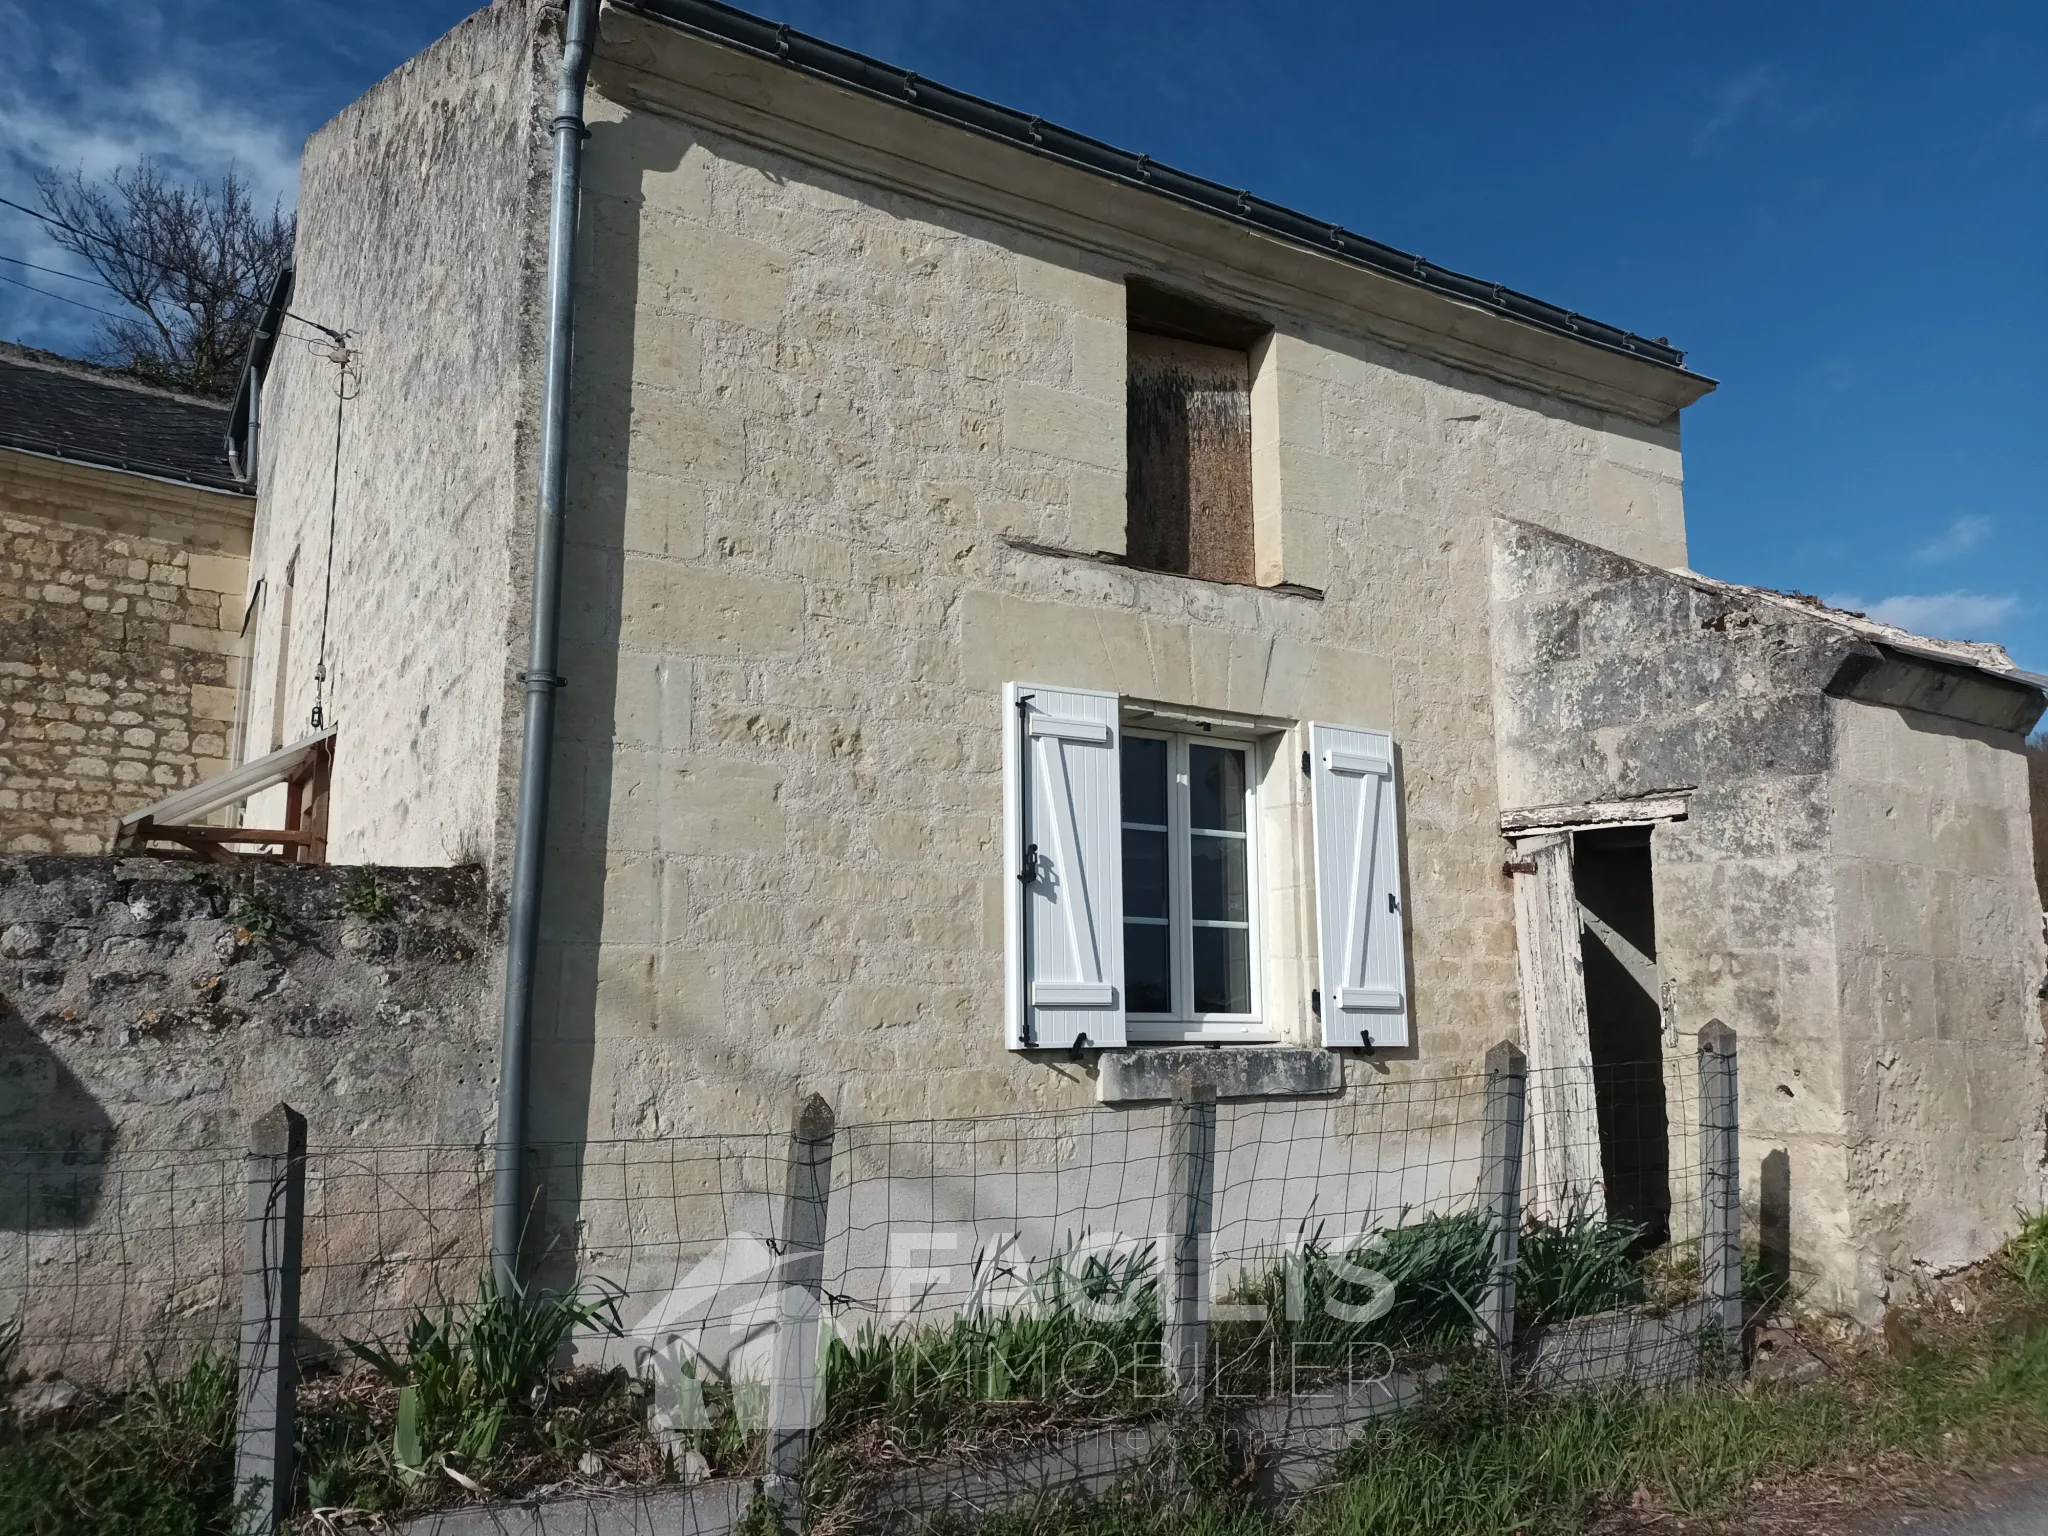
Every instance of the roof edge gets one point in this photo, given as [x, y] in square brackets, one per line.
[843, 67]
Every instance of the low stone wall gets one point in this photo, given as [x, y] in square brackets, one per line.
[151, 1009]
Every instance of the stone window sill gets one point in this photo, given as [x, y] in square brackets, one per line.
[1146, 1073]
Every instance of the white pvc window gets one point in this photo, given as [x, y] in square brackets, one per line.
[1190, 887]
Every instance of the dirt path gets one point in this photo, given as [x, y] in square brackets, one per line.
[2008, 1503]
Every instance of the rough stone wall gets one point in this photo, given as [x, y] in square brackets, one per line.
[1940, 963]
[145, 1023]
[415, 208]
[120, 611]
[813, 419]
[1787, 904]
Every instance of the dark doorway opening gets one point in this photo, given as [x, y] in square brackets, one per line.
[1625, 1024]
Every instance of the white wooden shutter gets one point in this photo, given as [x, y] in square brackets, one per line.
[1358, 886]
[1063, 804]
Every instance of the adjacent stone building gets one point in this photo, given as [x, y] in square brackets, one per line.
[122, 583]
[1032, 610]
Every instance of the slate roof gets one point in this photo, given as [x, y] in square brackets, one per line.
[71, 410]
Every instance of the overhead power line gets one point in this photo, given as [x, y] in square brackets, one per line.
[76, 277]
[61, 299]
[112, 244]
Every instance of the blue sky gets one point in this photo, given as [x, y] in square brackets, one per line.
[1840, 211]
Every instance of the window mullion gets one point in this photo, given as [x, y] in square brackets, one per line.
[1181, 907]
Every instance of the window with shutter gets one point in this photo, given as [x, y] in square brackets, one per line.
[1359, 929]
[1063, 820]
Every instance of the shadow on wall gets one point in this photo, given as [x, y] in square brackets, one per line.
[569, 979]
[54, 1136]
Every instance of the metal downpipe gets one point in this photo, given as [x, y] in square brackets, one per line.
[537, 745]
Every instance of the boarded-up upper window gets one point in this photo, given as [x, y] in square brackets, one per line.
[1190, 425]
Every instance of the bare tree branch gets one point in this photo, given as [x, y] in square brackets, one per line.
[195, 262]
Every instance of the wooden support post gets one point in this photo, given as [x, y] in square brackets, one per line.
[1565, 1175]
[793, 1391]
[1720, 1191]
[273, 1236]
[1500, 1188]
[1191, 1167]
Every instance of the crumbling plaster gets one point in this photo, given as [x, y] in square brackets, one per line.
[1850, 890]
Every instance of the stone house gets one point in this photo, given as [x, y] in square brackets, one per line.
[1030, 612]
[121, 598]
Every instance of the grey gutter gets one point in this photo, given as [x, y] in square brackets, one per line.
[885, 82]
[537, 745]
[142, 469]
[242, 422]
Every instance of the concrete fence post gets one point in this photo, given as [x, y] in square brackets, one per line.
[272, 1251]
[1191, 1169]
[1500, 1188]
[793, 1390]
[1720, 1191]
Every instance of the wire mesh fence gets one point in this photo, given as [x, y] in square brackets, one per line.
[949, 1277]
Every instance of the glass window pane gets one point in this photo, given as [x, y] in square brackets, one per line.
[1216, 870]
[1144, 775]
[1144, 874]
[1215, 788]
[1148, 984]
[1223, 970]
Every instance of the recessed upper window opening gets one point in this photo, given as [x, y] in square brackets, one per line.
[1190, 435]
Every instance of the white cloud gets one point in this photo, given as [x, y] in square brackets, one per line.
[1941, 615]
[89, 98]
[1760, 85]
[1966, 533]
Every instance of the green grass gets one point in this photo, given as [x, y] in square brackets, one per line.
[1086, 1335]
[161, 1465]
[1477, 1459]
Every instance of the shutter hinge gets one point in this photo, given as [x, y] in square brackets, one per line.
[1393, 902]
[1029, 872]
[1304, 765]
[1315, 1001]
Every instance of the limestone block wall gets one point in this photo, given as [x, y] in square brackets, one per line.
[831, 438]
[416, 208]
[1940, 965]
[121, 601]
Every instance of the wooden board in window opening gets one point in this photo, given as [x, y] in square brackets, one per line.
[1189, 421]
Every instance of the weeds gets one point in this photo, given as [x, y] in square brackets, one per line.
[469, 1382]
[162, 1465]
[261, 918]
[2026, 1253]
[1576, 1267]
[367, 897]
